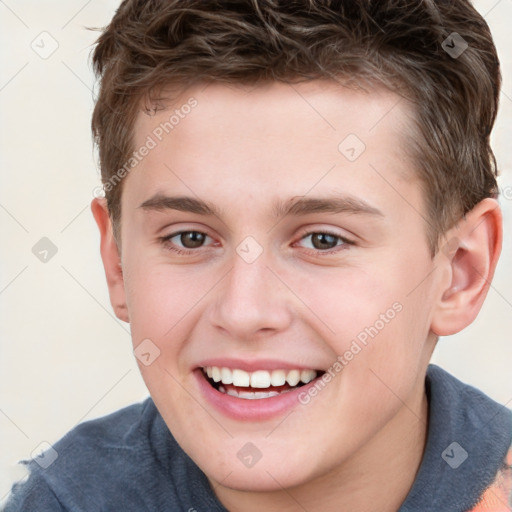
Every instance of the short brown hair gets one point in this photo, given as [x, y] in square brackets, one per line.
[400, 44]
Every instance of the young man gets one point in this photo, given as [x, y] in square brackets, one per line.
[300, 199]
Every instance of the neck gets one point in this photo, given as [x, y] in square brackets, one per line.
[377, 478]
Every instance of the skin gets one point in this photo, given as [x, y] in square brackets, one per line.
[241, 150]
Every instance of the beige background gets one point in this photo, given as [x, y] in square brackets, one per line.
[64, 357]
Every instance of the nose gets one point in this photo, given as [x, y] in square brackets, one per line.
[251, 301]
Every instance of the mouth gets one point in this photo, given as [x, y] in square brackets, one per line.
[259, 384]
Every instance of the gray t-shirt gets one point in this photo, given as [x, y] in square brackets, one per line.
[129, 461]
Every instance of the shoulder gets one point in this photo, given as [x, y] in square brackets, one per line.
[460, 404]
[469, 436]
[126, 461]
[116, 437]
[94, 461]
[498, 496]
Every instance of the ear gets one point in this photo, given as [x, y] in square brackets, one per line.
[469, 256]
[111, 258]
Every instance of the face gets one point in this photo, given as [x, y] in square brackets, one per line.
[267, 240]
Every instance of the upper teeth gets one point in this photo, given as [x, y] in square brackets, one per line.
[259, 378]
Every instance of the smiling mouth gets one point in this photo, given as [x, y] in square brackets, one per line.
[259, 384]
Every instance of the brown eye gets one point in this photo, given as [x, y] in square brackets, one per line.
[185, 242]
[192, 239]
[323, 241]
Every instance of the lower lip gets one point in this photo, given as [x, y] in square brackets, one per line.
[246, 409]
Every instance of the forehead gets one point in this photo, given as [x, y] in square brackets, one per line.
[270, 139]
[321, 108]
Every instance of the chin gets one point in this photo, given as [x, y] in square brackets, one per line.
[261, 481]
[272, 475]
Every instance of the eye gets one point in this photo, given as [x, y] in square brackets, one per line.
[321, 241]
[188, 240]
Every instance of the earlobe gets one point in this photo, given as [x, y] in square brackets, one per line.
[469, 255]
[111, 259]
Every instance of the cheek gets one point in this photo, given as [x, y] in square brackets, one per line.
[159, 297]
[373, 319]
[346, 301]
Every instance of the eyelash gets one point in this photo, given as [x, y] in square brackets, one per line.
[341, 247]
[166, 242]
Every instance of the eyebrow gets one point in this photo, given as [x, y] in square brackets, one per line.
[301, 206]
